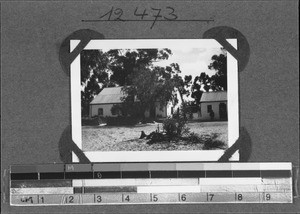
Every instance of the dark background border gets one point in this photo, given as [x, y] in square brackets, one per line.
[36, 91]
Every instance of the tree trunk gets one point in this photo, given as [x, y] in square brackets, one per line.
[183, 104]
[142, 113]
[152, 111]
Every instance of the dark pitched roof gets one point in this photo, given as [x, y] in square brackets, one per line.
[109, 95]
[214, 96]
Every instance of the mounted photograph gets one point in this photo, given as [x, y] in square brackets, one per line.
[154, 100]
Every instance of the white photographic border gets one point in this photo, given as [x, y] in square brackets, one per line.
[155, 156]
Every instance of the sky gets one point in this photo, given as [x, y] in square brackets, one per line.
[192, 61]
[193, 55]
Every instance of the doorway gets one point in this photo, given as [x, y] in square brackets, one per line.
[223, 111]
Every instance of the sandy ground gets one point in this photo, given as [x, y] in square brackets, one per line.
[126, 138]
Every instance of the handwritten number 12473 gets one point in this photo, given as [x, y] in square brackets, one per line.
[156, 14]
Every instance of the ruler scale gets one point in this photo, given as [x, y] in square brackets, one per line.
[150, 183]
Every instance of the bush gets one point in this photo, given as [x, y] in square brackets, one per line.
[121, 121]
[209, 141]
[194, 138]
[175, 126]
[213, 143]
[90, 122]
[117, 110]
[127, 109]
[187, 111]
[169, 125]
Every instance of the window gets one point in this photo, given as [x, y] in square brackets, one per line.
[100, 111]
[209, 108]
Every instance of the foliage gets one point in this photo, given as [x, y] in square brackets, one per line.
[217, 82]
[90, 122]
[113, 68]
[194, 138]
[150, 86]
[211, 142]
[123, 63]
[181, 84]
[141, 80]
[156, 137]
[121, 121]
[117, 109]
[169, 126]
[94, 64]
[200, 82]
[188, 108]
[127, 109]
[175, 126]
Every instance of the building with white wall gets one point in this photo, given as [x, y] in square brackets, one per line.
[108, 97]
[215, 102]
